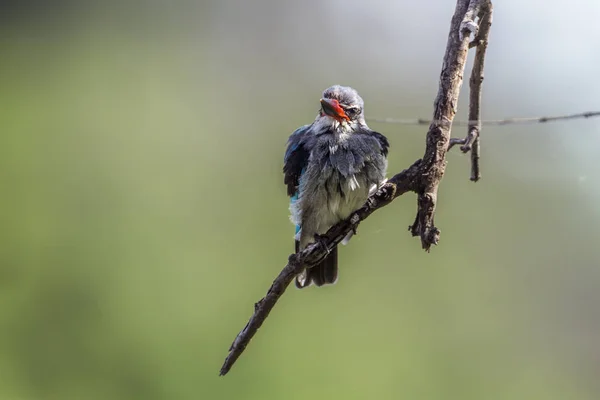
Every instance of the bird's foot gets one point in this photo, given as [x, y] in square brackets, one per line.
[322, 241]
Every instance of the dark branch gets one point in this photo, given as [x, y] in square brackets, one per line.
[438, 136]
[394, 187]
[456, 141]
[422, 177]
[472, 141]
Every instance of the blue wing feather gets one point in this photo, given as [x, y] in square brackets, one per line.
[294, 163]
[295, 160]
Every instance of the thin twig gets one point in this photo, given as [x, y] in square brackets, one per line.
[472, 140]
[491, 122]
[422, 177]
[456, 141]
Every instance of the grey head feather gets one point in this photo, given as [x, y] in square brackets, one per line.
[345, 95]
[352, 104]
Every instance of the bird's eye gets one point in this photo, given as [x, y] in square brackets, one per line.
[352, 111]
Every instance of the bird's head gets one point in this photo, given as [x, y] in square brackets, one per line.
[341, 108]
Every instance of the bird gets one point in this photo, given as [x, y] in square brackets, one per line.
[331, 166]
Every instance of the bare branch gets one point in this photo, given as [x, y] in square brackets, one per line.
[456, 141]
[438, 136]
[314, 253]
[472, 141]
[422, 177]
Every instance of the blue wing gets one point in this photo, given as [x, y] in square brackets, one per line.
[295, 161]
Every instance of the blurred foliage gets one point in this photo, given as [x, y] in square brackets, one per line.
[143, 212]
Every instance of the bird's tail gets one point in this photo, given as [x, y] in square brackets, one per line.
[321, 274]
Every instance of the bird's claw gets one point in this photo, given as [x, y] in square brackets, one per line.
[322, 241]
[354, 220]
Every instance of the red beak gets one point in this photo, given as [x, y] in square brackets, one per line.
[332, 108]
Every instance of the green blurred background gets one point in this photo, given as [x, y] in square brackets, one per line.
[143, 210]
